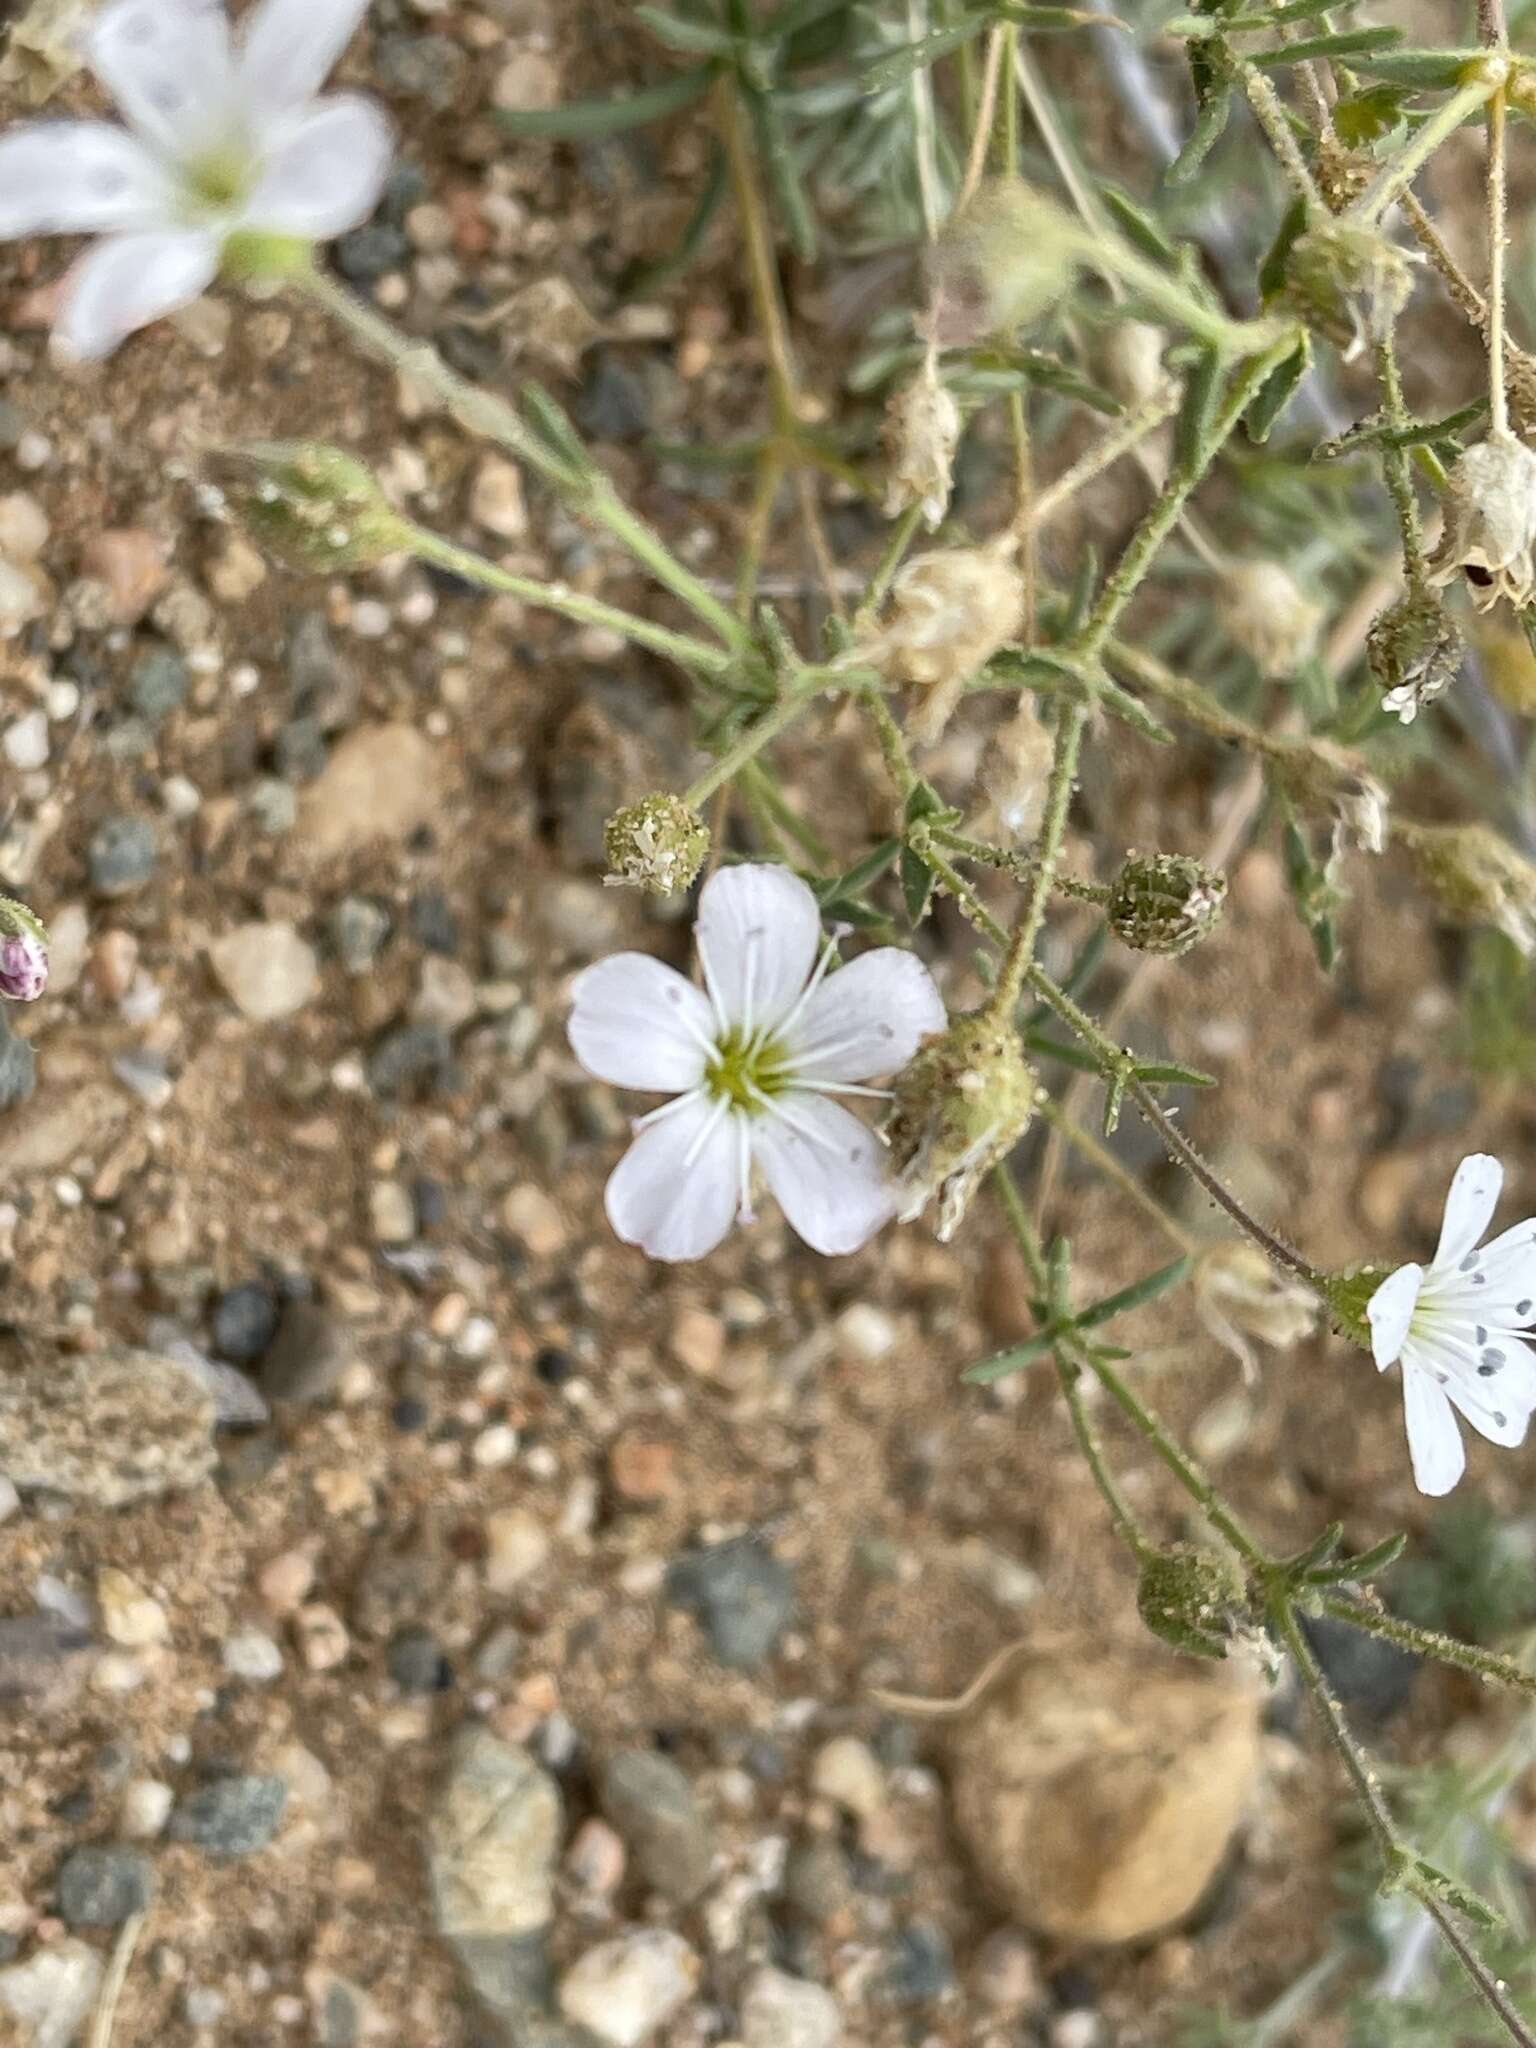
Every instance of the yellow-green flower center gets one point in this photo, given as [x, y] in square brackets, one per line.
[218, 180]
[746, 1072]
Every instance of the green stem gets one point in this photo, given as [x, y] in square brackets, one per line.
[803, 690]
[1395, 177]
[1498, 239]
[478, 412]
[571, 604]
[1428, 1642]
[1147, 1425]
[1013, 861]
[1115, 1170]
[1269, 111]
[1395, 465]
[1331, 1714]
[1058, 797]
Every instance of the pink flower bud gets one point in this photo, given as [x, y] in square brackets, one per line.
[23, 967]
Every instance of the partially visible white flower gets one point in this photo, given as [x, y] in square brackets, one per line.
[227, 152]
[1456, 1326]
[751, 1062]
[1490, 523]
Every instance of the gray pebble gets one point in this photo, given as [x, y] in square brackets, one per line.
[122, 854]
[614, 403]
[357, 929]
[743, 1597]
[414, 1056]
[651, 1803]
[371, 252]
[158, 685]
[230, 1817]
[244, 1322]
[427, 67]
[18, 1066]
[416, 1663]
[104, 1885]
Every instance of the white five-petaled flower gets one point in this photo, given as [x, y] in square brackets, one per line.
[225, 140]
[1456, 1325]
[752, 1061]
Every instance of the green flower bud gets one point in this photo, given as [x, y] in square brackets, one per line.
[958, 1108]
[1348, 1295]
[1476, 877]
[1347, 281]
[1165, 902]
[311, 506]
[1191, 1598]
[658, 845]
[1415, 653]
[1000, 263]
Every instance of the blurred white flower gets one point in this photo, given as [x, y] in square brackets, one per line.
[751, 1061]
[1456, 1326]
[227, 155]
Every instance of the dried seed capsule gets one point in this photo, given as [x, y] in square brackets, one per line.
[1347, 281]
[950, 612]
[1165, 902]
[1000, 263]
[1476, 877]
[1415, 653]
[921, 434]
[1191, 1598]
[658, 845]
[958, 1107]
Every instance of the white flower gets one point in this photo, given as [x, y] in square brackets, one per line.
[1456, 1325]
[225, 139]
[751, 1061]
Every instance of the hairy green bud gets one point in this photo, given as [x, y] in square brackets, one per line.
[657, 845]
[1415, 653]
[1270, 616]
[310, 506]
[958, 1107]
[1191, 1598]
[1347, 281]
[1476, 877]
[1165, 902]
[1348, 1294]
[1000, 263]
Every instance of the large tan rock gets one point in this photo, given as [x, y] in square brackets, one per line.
[380, 784]
[1098, 1796]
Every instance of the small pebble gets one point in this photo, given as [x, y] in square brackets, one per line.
[626, 1988]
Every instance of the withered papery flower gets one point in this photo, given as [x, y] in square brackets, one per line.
[1490, 523]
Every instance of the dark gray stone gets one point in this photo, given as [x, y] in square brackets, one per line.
[104, 1885]
[614, 402]
[922, 1965]
[122, 854]
[300, 751]
[429, 67]
[18, 1066]
[651, 1803]
[416, 1056]
[231, 1817]
[1371, 1678]
[322, 684]
[416, 1663]
[158, 685]
[743, 1597]
[244, 1322]
[369, 253]
[357, 928]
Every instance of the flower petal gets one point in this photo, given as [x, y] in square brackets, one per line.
[674, 1192]
[1469, 1207]
[328, 171]
[1487, 1414]
[637, 1023]
[168, 65]
[756, 933]
[1434, 1441]
[78, 177]
[1389, 1312]
[826, 1170]
[128, 281]
[290, 47]
[867, 1018]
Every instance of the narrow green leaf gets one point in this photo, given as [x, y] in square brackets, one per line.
[1148, 1288]
[554, 427]
[1006, 1362]
[1169, 1074]
[1366, 1566]
[1276, 393]
[1048, 1048]
[858, 878]
[778, 157]
[1272, 271]
[1139, 226]
[1350, 42]
[1192, 427]
[648, 276]
[690, 38]
[1426, 69]
[587, 120]
[1210, 123]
